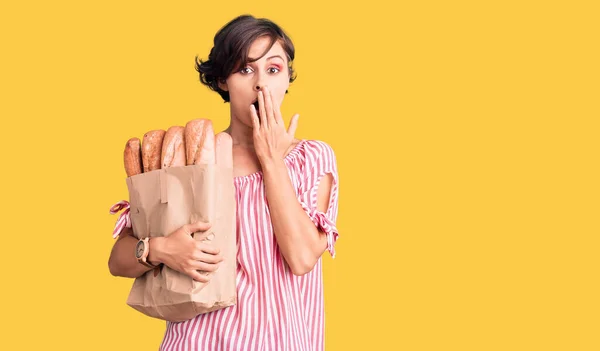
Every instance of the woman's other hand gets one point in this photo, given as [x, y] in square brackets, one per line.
[181, 252]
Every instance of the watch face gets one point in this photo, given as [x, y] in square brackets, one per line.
[139, 249]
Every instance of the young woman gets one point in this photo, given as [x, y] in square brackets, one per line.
[287, 204]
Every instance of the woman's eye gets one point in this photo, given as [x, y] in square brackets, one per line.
[248, 70]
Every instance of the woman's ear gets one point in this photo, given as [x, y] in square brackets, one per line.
[222, 84]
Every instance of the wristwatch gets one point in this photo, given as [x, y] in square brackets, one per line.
[142, 248]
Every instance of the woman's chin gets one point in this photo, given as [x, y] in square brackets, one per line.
[248, 122]
[245, 120]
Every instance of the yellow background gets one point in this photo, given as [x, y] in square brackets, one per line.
[467, 143]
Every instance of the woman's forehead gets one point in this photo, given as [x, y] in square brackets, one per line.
[258, 47]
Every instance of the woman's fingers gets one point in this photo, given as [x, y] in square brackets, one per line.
[205, 267]
[202, 247]
[202, 265]
[293, 125]
[199, 276]
[277, 112]
[207, 258]
[263, 113]
[254, 115]
[196, 227]
[270, 107]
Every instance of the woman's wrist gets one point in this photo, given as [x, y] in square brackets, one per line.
[272, 164]
[155, 249]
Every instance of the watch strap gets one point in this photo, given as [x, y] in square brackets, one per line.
[144, 259]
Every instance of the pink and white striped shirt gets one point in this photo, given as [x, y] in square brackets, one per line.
[276, 310]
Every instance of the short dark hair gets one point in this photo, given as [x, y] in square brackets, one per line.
[231, 46]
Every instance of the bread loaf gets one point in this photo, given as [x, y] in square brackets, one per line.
[152, 149]
[199, 141]
[133, 157]
[206, 153]
[173, 148]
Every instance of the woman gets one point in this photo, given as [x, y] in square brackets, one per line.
[287, 202]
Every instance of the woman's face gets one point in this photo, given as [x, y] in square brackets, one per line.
[271, 70]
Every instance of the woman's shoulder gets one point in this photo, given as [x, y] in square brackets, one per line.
[309, 153]
[314, 147]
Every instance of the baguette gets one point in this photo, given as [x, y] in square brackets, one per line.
[173, 148]
[152, 149]
[199, 141]
[206, 154]
[133, 157]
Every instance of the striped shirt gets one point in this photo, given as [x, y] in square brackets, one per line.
[275, 310]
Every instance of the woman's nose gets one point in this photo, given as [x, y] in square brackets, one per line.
[259, 82]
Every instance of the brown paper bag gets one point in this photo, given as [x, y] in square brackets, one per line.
[162, 201]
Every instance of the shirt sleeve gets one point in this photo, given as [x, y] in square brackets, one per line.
[320, 160]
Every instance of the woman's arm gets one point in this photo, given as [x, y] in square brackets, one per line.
[300, 241]
[122, 261]
[178, 251]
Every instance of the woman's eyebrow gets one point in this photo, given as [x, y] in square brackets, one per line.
[252, 61]
[275, 56]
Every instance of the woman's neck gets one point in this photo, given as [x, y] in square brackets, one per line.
[241, 134]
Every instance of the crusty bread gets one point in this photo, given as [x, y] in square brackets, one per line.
[133, 157]
[206, 154]
[152, 149]
[199, 141]
[173, 148]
